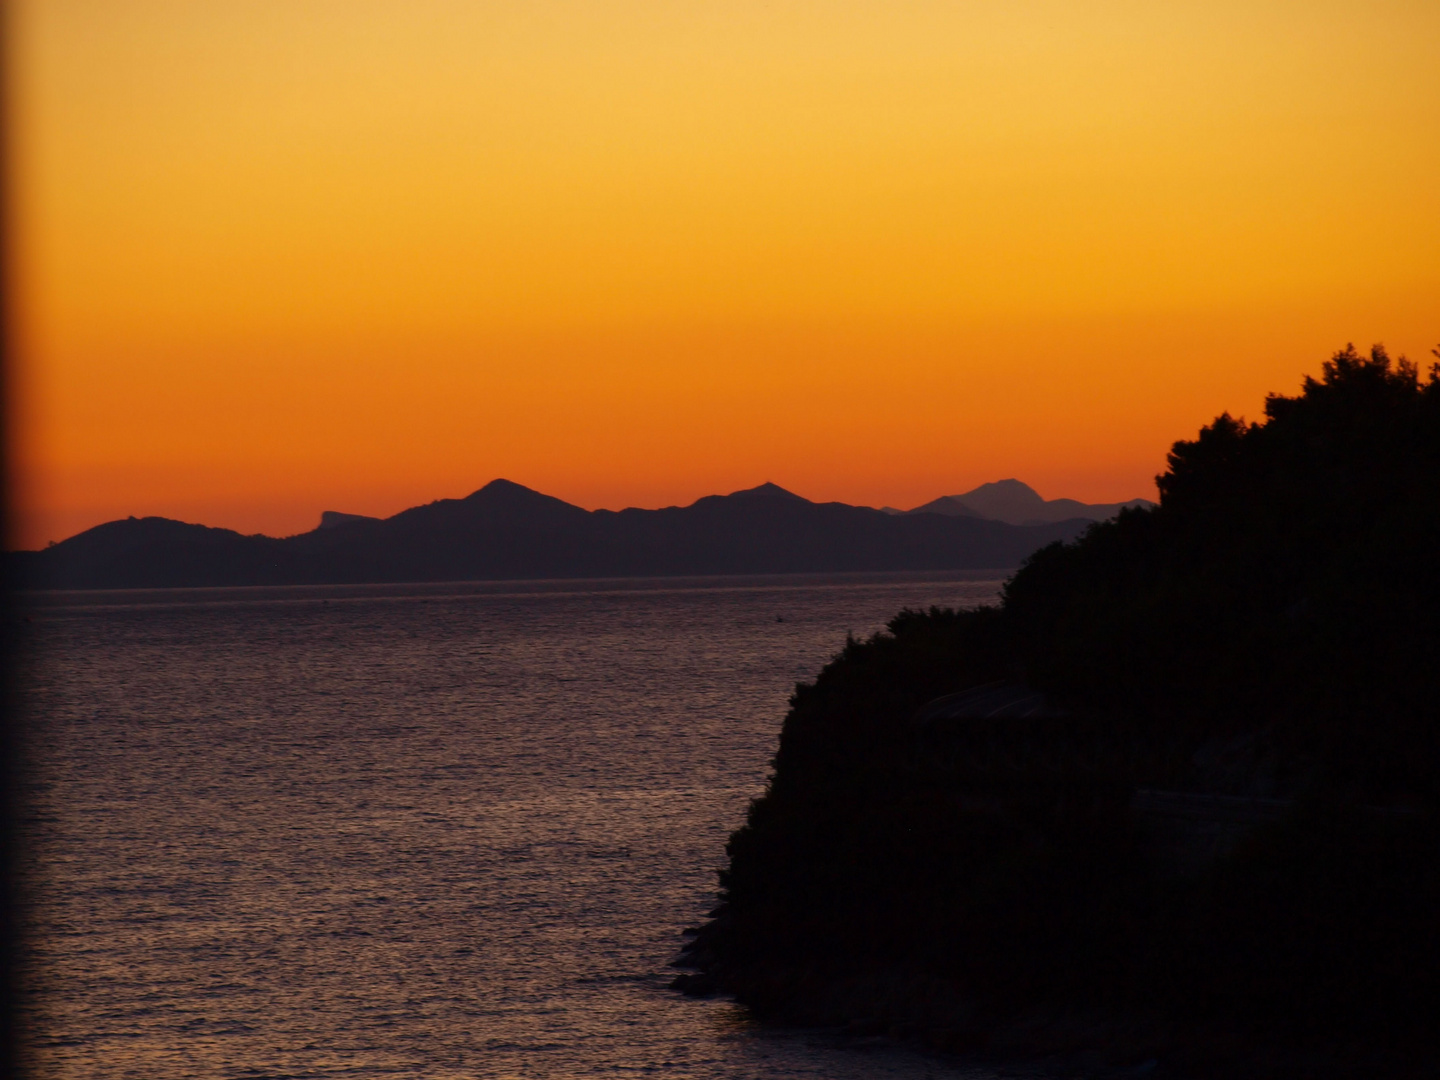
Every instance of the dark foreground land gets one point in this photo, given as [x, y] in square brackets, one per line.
[1177, 813]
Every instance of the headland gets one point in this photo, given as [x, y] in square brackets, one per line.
[1170, 807]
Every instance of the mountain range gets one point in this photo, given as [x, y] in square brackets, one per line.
[1020, 504]
[507, 531]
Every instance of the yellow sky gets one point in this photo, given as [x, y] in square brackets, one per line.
[277, 256]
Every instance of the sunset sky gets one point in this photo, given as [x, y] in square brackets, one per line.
[272, 257]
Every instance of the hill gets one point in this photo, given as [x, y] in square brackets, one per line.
[1019, 504]
[1171, 805]
[507, 531]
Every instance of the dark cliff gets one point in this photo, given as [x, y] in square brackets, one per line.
[1174, 800]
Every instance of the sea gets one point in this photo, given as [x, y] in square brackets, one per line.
[434, 831]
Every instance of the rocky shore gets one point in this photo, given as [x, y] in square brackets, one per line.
[1096, 1043]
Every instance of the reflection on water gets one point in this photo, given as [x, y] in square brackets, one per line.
[424, 831]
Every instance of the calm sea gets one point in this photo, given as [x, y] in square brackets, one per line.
[417, 831]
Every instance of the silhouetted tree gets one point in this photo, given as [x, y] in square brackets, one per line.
[1284, 597]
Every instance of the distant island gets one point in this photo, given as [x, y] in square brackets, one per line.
[1019, 504]
[1169, 809]
[507, 531]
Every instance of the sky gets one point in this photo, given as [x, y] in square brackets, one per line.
[282, 256]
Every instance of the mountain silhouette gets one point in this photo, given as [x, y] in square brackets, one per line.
[508, 531]
[333, 519]
[1019, 504]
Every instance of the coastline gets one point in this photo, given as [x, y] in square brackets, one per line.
[1173, 800]
[1094, 1041]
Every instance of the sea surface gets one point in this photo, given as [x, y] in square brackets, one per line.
[438, 831]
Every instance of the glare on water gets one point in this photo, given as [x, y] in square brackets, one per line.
[426, 831]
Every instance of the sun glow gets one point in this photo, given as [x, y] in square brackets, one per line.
[276, 257]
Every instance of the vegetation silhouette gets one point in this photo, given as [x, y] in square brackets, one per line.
[1261, 645]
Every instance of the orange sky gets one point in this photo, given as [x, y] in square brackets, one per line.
[280, 256]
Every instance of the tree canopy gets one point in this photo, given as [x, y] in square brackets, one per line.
[1288, 577]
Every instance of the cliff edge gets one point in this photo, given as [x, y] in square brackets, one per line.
[1170, 807]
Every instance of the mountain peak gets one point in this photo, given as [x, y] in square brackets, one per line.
[502, 492]
[1011, 489]
[766, 490]
[501, 486]
[1017, 503]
